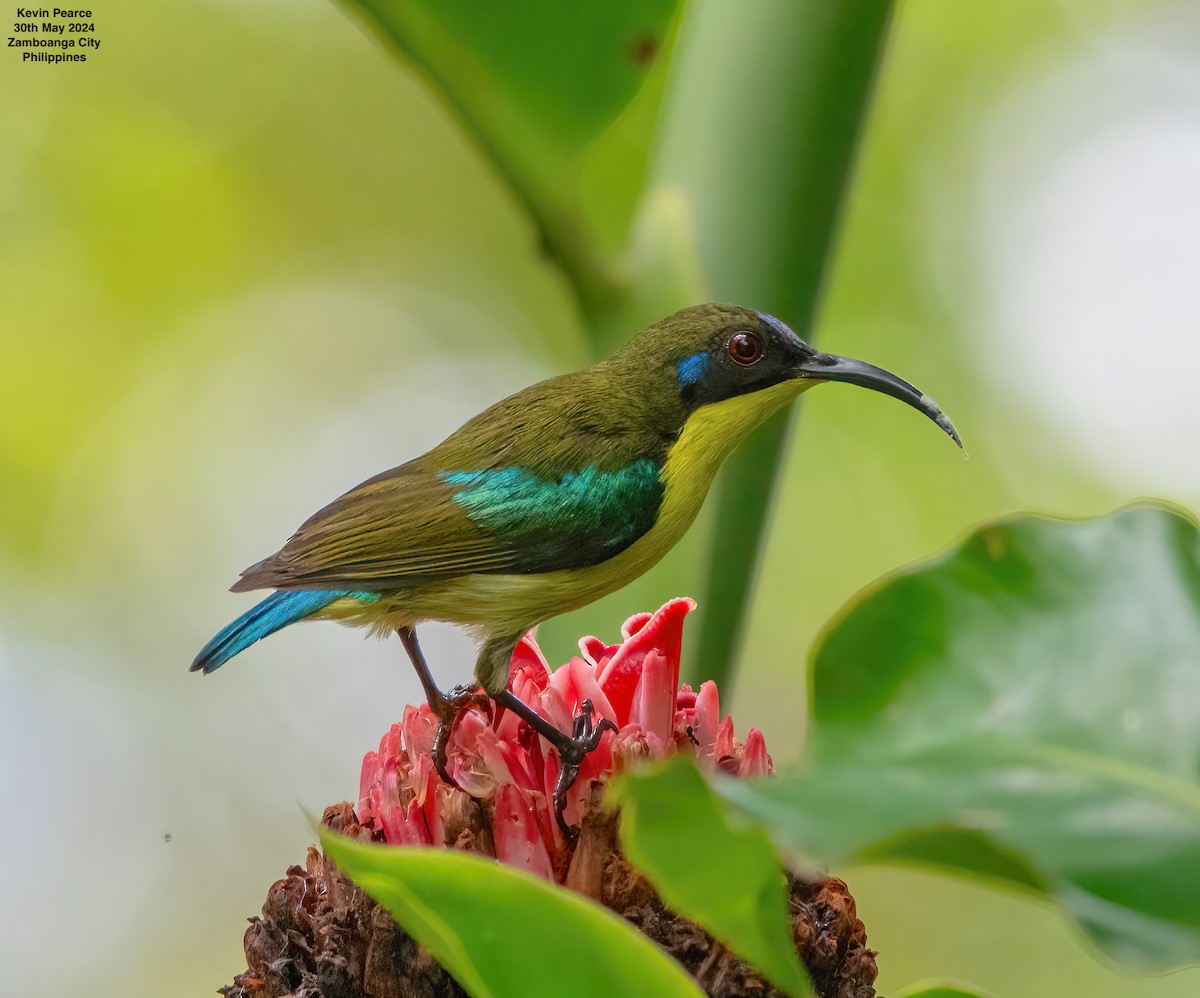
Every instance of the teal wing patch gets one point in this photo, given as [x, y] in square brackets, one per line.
[582, 518]
[409, 525]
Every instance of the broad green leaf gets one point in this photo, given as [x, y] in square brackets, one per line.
[710, 866]
[1025, 709]
[503, 932]
[535, 83]
[934, 989]
[538, 79]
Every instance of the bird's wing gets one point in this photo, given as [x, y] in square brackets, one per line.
[415, 523]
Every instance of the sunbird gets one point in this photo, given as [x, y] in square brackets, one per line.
[544, 502]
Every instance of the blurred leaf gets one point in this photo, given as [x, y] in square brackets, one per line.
[1025, 709]
[535, 83]
[932, 989]
[501, 931]
[721, 873]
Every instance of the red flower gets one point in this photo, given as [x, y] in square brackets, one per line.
[498, 760]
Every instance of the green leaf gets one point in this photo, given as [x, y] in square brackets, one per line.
[710, 866]
[504, 932]
[535, 83]
[939, 989]
[1025, 709]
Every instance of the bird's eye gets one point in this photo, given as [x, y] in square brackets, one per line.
[745, 347]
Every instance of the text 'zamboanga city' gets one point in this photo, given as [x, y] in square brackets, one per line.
[55, 28]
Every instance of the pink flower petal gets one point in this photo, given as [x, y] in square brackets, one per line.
[466, 759]
[562, 682]
[654, 700]
[505, 723]
[368, 778]
[635, 624]
[390, 743]
[633, 744]
[661, 632]
[373, 808]
[578, 797]
[706, 719]
[417, 730]
[555, 707]
[620, 685]
[530, 693]
[723, 744]
[527, 657]
[596, 651]
[583, 677]
[516, 760]
[435, 796]
[755, 761]
[404, 826]
[515, 831]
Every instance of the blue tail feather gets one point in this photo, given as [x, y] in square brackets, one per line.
[275, 612]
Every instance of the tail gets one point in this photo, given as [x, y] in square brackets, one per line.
[275, 612]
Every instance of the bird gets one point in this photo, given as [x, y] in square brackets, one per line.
[544, 502]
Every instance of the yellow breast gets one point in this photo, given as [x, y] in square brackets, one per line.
[708, 438]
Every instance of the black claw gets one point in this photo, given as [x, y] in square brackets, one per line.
[448, 707]
[440, 741]
[566, 776]
[585, 737]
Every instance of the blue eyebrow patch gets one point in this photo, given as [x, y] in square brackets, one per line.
[780, 328]
[691, 369]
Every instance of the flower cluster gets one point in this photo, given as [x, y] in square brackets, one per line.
[499, 762]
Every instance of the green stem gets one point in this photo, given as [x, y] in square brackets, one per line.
[763, 122]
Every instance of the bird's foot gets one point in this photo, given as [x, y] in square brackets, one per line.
[584, 738]
[571, 751]
[448, 707]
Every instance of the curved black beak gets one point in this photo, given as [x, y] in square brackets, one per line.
[831, 367]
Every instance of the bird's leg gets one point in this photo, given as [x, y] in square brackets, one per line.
[447, 706]
[571, 748]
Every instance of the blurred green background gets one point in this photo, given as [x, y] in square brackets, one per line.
[246, 261]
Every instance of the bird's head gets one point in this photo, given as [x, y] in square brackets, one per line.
[713, 354]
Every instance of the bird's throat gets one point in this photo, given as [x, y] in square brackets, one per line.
[711, 434]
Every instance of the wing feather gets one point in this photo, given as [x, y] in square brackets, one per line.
[563, 474]
[412, 524]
